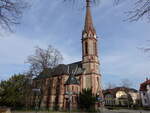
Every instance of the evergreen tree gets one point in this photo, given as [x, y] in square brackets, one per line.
[13, 91]
[87, 100]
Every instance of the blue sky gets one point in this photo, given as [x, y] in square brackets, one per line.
[60, 25]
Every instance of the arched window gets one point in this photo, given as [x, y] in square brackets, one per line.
[95, 48]
[72, 88]
[86, 48]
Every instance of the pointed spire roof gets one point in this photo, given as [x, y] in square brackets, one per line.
[88, 19]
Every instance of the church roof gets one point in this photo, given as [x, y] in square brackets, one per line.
[61, 69]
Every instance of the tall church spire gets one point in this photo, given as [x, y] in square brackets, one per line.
[90, 61]
[88, 19]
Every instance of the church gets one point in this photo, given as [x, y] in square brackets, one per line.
[68, 80]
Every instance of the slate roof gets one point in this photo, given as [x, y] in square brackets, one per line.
[144, 84]
[61, 69]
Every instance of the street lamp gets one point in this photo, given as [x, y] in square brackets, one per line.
[37, 94]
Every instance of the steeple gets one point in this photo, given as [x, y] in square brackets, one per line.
[89, 44]
[88, 19]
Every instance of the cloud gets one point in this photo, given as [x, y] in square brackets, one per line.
[52, 22]
[16, 48]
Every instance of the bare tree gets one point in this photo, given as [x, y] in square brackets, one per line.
[44, 59]
[141, 8]
[126, 83]
[10, 13]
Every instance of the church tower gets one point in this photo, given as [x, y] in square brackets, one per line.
[90, 61]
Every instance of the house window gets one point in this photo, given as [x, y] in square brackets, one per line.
[145, 100]
[86, 48]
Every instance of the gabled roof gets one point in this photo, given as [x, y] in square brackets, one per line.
[61, 69]
[113, 91]
[144, 84]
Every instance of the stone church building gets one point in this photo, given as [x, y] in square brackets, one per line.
[65, 81]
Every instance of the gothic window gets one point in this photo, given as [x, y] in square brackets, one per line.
[72, 88]
[95, 48]
[86, 48]
[98, 80]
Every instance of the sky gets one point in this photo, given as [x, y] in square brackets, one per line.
[53, 22]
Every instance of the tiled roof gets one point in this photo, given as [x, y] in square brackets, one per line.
[143, 85]
[62, 69]
[113, 91]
